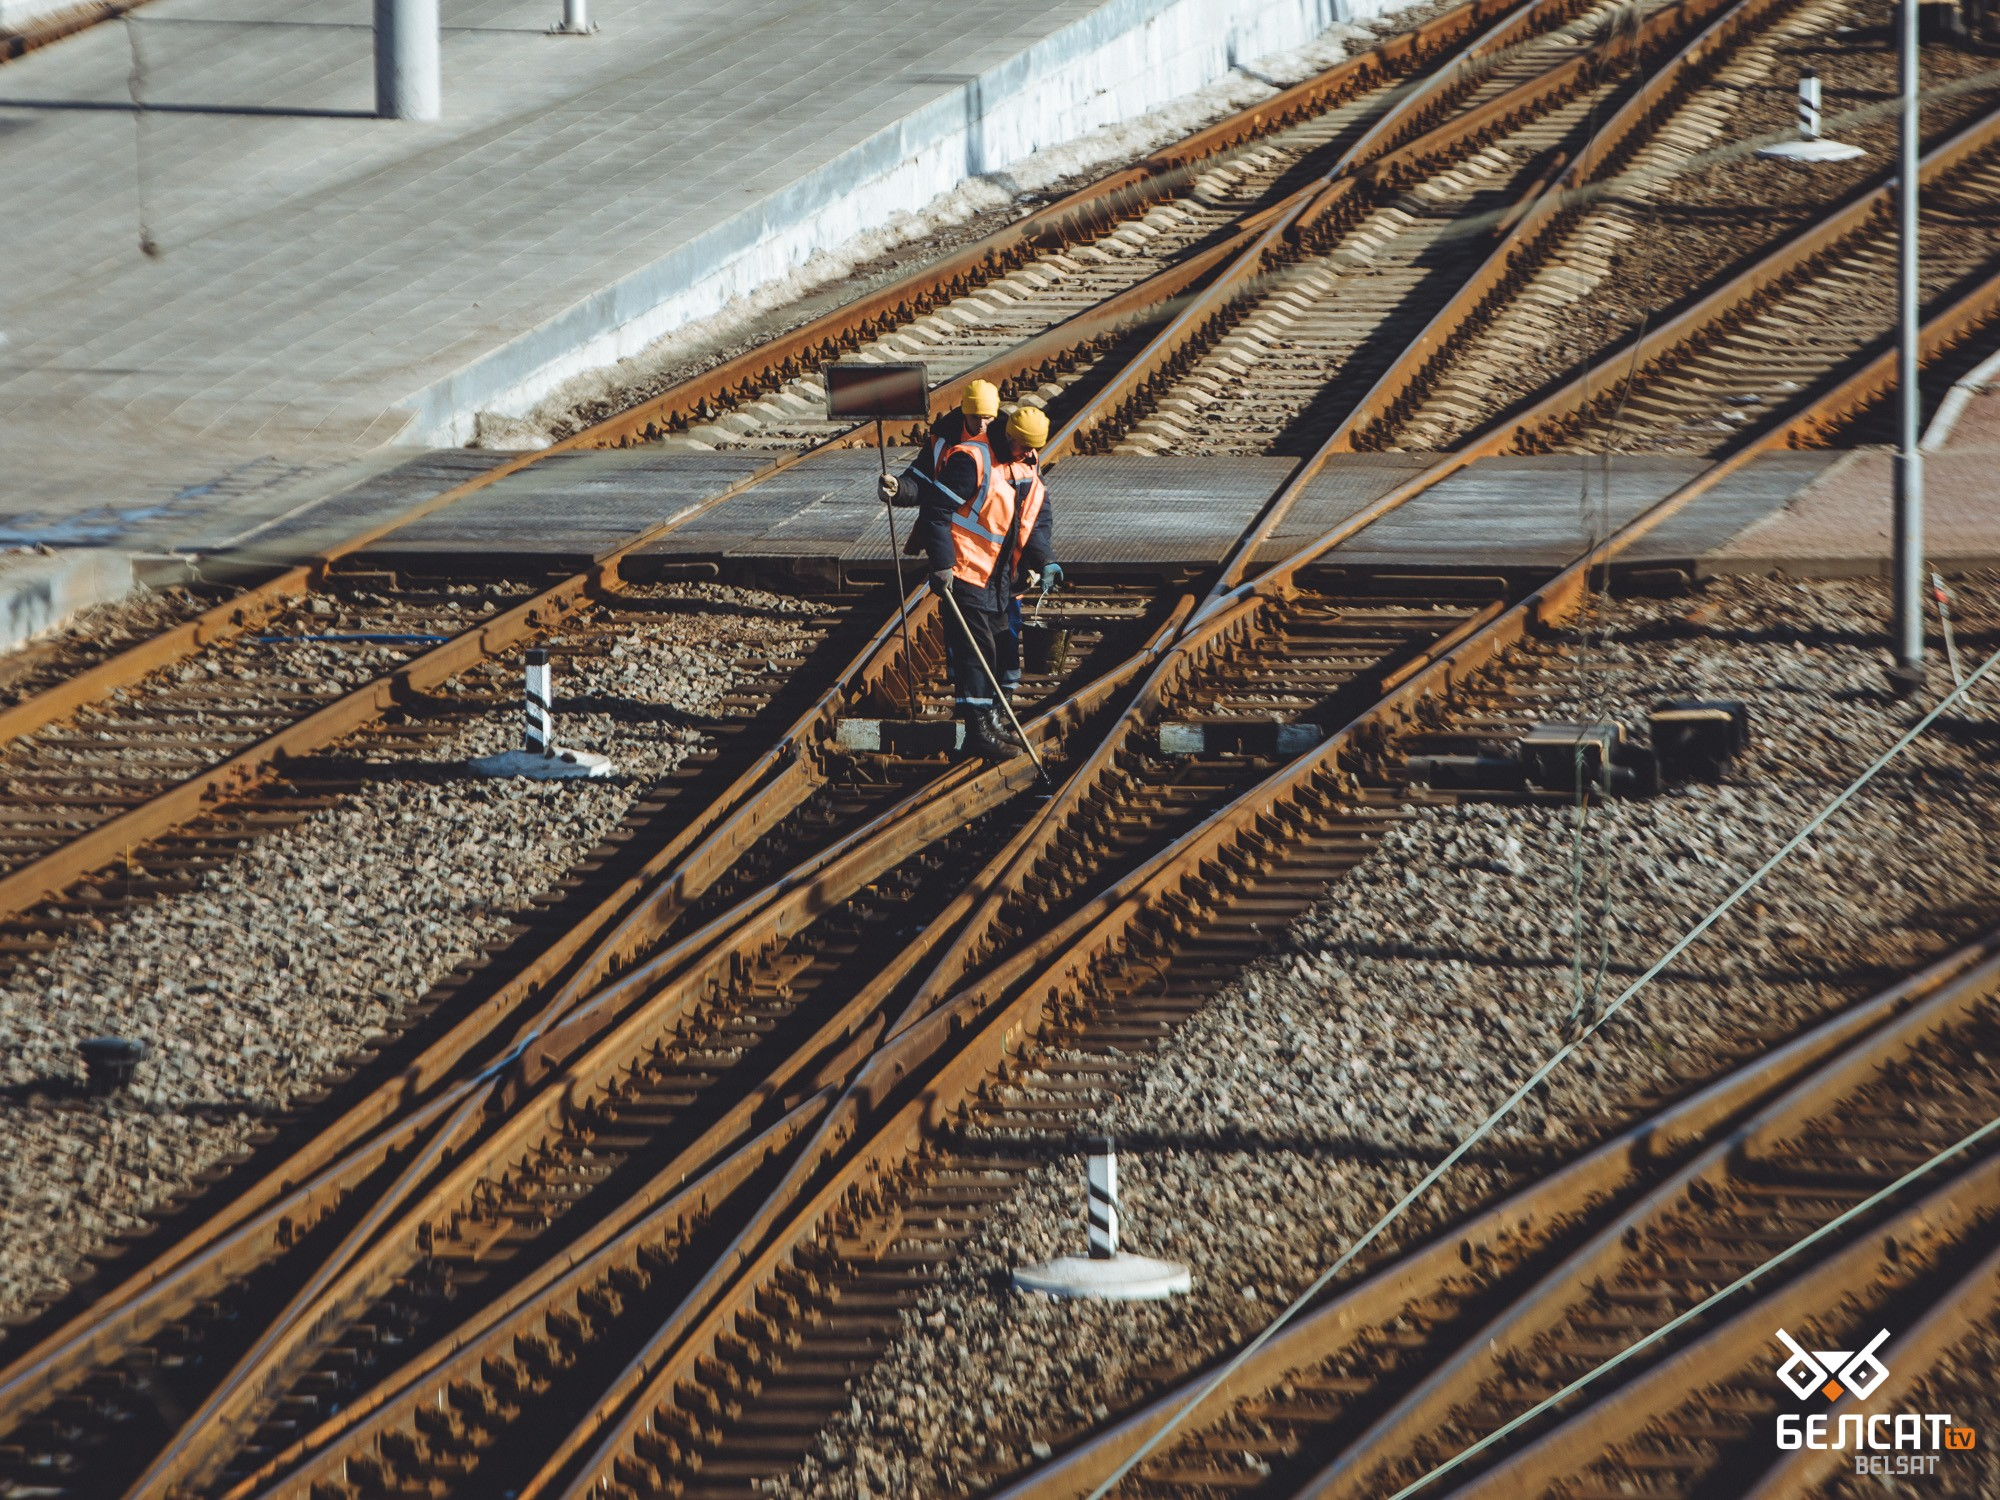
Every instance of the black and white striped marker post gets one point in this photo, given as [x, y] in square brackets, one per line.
[1101, 1176]
[1809, 106]
[1810, 146]
[1107, 1273]
[540, 758]
[541, 733]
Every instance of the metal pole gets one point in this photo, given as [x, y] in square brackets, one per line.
[1809, 97]
[1908, 672]
[576, 18]
[408, 71]
[999, 692]
[902, 600]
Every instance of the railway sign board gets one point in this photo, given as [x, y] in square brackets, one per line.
[861, 391]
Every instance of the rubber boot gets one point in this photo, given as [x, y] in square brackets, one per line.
[979, 736]
[1002, 729]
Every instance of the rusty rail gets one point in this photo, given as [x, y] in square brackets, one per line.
[1239, 279]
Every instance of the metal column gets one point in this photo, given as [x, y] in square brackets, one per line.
[408, 70]
[1908, 673]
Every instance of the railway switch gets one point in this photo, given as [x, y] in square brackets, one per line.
[1570, 758]
[1469, 773]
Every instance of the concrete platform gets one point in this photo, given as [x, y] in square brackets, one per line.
[819, 522]
[221, 304]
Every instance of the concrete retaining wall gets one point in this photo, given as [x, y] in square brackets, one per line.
[41, 590]
[1118, 62]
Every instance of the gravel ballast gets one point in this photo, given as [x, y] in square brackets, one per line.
[307, 946]
[1388, 1021]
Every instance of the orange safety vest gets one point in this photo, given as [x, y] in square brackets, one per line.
[980, 521]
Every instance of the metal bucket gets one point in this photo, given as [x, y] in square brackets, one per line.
[1044, 648]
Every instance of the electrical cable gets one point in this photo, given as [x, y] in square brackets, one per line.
[1942, 595]
[1796, 1248]
[1535, 1080]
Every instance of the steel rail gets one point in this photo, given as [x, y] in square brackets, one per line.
[1078, 215]
[1532, 428]
[1424, 1409]
[115, 837]
[615, 1024]
[1604, 1174]
[112, 839]
[627, 936]
[731, 824]
[972, 1036]
[1543, 609]
[1529, 94]
[993, 879]
[672, 980]
[1794, 426]
[1960, 1212]
[1084, 782]
[373, 1112]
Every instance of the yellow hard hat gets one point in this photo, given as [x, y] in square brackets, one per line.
[1029, 426]
[981, 399]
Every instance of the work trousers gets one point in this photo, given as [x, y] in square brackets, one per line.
[969, 682]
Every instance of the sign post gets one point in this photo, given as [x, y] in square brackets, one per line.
[861, 391]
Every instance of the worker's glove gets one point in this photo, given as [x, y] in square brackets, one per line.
[941, 581]
[1047, 578]
[887, 488]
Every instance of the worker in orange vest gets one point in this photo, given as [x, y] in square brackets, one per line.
[987, 526]
[977, 407]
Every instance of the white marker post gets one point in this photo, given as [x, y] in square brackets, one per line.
[409, 69]
[1811, 146]
[541, 726]
[1107, 1274]
[540, 758]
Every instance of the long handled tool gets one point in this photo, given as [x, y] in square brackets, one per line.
[902, 600]
[998, 691]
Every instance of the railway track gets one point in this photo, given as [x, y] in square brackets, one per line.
[1406, 1366]
[1528, 77]
[701, 1107]
[171, 745]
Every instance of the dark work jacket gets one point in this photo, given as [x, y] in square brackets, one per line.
[933, 533]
